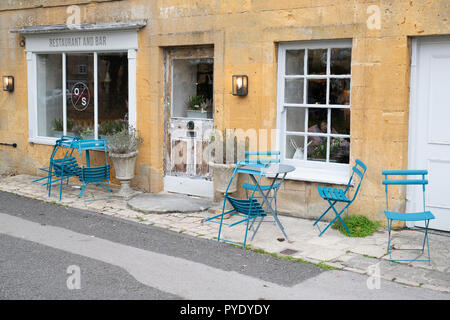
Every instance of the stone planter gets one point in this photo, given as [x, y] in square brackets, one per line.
[124, 167]
[222, 174]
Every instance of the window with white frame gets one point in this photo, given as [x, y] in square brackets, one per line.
[314, 104]
[80, 82]
[88, 111]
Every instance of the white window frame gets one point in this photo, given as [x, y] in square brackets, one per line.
[314, 171]
[122, 41]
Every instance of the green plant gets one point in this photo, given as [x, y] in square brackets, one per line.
[320, 150]
[196, 102]
[125, 141]
[359, 226]
[58, 124]
[86, 132]
[109, 127]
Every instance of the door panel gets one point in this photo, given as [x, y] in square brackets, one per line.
[429, 128]
[188, 114]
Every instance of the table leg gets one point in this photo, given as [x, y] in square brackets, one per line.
[269, 204]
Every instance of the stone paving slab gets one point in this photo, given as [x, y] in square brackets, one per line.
[168, 203]
[359, 255]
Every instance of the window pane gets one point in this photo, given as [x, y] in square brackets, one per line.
[340, 121]
[192, 88]
[339, 150]
[317, 120]
[49, 95]
[317, 61]
[340, 91]
[293, 91]
[317, 91]
[340, 61]
[295, 119]
[317, 148]
[295, 61]
[80, 97]
[294, 147]
[112, 93]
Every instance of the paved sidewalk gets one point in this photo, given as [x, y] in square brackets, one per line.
[361, 255]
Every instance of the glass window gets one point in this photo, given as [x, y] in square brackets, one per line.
[112, 94]
[49, 95]
[80, 98]
[192, 92]
[318, 129]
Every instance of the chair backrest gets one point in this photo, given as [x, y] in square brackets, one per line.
[402, 182]
[254, 157]
[92, 144]
[358, 172]
[67, 142]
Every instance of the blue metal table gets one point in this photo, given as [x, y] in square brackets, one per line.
[277, 172]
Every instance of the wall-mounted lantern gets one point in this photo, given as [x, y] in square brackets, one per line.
[8, 83]
[240, 85]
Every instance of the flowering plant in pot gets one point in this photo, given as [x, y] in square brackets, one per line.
[123, 150]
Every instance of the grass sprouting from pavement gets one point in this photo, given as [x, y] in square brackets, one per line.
[321, 264]
[358, 225]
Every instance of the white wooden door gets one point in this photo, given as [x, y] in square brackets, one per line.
[189, 73]
[429, 127]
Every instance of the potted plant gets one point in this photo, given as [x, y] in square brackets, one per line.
[198, 107]
[110, 127]
[58, 127]
[123, 150]
[226, 152]
[87, 133]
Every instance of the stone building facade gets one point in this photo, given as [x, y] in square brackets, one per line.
[353, 65]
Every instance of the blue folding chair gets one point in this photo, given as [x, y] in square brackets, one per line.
[99, 175]
[247, 209]
[337, 195]
[391, 216]
[61, 168]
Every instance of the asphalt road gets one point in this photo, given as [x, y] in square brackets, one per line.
[43, 246]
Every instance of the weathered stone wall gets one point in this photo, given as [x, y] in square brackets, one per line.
[245, 34]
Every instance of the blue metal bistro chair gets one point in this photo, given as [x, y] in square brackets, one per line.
[246, 209]
[391, 216]
[99, 175]
[61, 169]
[337, 195]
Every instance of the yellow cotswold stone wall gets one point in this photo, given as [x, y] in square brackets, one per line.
[244, 34]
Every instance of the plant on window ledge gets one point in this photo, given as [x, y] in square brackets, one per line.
[110, 127]
[320, 151]
[199, 103]
[58, 126]
[87, 133]
[195, 102]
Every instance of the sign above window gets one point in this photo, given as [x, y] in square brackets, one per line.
[87, 37]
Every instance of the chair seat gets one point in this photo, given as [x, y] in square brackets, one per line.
[252, 187]
[402, 216]
[246, 206]
[333, 194]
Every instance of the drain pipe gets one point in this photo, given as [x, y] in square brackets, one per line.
[14, 145]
